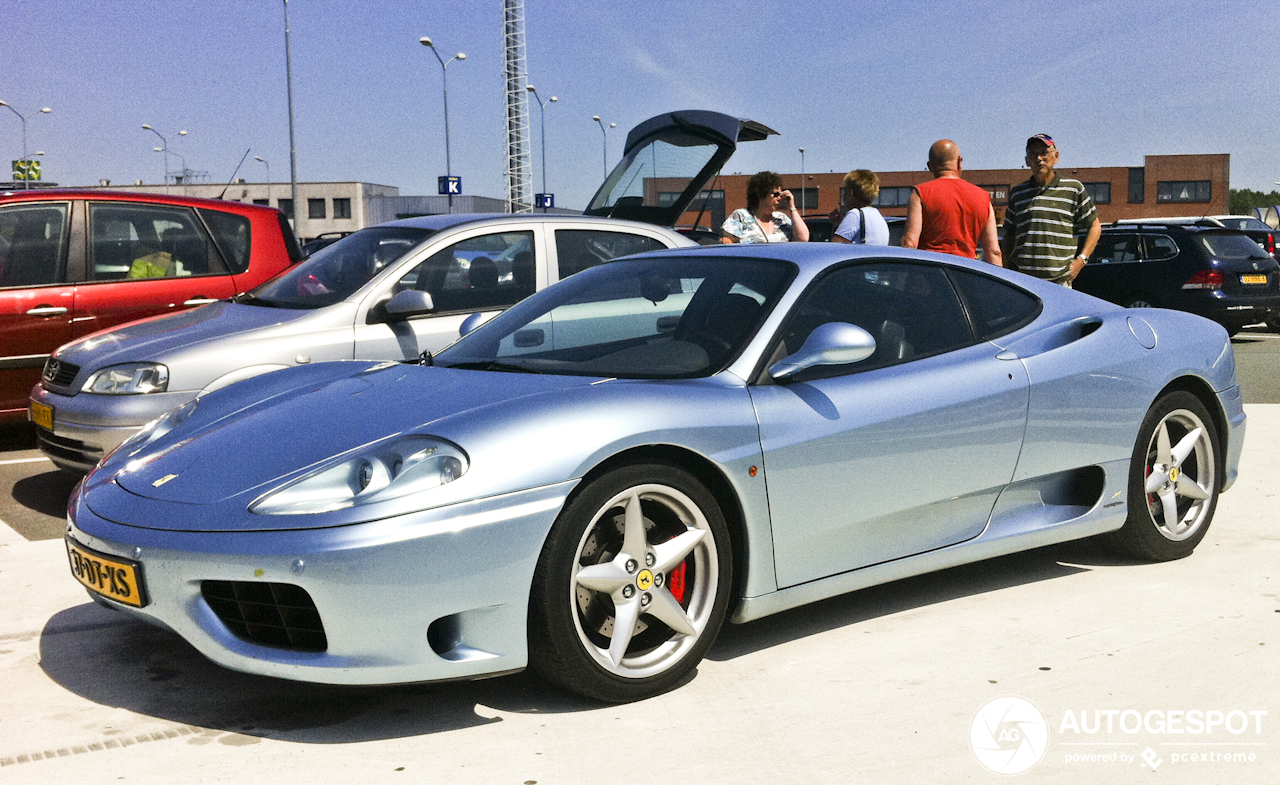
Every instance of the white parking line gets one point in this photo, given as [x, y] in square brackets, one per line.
[22, 460]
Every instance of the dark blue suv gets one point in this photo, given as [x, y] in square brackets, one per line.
[1221, 274]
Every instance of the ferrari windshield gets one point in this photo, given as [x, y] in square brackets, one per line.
[336, 271]
[648, 318]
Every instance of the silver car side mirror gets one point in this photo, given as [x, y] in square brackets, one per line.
[834, 343]
[410, 302]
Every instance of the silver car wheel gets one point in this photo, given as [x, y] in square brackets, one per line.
[644, 581]
[1180, 475]
[1173, 480]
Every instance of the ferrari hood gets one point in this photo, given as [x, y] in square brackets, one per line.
[252, 435]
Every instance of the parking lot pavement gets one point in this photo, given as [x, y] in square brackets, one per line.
[1122, 660]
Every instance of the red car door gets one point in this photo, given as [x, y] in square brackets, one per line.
[145, 260]
[35, 305]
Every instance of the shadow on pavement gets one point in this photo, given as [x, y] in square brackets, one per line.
[17, 436]
[46, 493]
[116, 661]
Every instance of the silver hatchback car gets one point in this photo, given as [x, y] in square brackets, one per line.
[387, 292]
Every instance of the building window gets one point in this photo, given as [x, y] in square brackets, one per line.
[999, 193]
[262, 201]
[897, 196]
[1137, 185]
[341, 208]
[315, 208]
[286, 207]
[1100, 193]
[806, 198]
[1184, 191]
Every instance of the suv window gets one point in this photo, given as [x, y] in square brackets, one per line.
[1160, 247]
[1116, 248]
[489, 271]
[231, 233]
[1230, 246]
[578, 249]
[32, 239]
[147, 241]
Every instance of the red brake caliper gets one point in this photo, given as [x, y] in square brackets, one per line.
[675, 581]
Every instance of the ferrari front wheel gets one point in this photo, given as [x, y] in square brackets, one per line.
[631, 586]
[1173, 480]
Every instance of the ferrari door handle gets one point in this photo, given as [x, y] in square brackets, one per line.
[194, 301]
[47, 310]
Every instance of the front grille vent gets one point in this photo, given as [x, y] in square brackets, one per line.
[59, 372]
[279, 615]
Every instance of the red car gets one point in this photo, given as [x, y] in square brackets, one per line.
[76, 261]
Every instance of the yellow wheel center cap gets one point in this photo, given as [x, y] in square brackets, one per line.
[644, 581]
[1173, 474]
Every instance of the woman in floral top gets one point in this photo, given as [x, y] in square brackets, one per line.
[769, 217]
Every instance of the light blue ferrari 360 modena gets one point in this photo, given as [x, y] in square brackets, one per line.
[591, 482]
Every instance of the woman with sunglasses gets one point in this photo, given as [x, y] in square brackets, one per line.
[769, 217]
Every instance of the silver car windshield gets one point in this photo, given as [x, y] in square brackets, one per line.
[649, 318]
[335, 272]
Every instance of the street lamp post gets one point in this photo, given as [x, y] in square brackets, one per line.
[293, 150]
[444, 78]
[26, 181]
[165, 149]
[604, 132]
[802, 204]
[542, 122]
[265, 163]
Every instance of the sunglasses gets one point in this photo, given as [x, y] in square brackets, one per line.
[775, 193]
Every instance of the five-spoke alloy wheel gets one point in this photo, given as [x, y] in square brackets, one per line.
[631, 586]
[1173, 480]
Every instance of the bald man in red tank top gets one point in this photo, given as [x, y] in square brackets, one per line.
[949, 214]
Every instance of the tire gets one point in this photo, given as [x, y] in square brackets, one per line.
[1140, 301]
[1273, 322]
[644, 543]
[1173, 481]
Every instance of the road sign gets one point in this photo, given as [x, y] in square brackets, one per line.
[26, 170]
[449, 185]
[544, 200]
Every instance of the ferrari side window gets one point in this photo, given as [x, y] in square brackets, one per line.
[910, 309]
[995, 307]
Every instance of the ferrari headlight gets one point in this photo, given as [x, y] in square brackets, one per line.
[389, 470]
[128, 379]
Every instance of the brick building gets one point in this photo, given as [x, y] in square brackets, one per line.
[1164, 186]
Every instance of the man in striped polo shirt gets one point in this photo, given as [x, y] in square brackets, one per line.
[1045, 215]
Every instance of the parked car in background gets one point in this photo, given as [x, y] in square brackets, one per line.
[821, 229]
[590, 483]
[322, 241]
[386, 292]
[1261, 233]
[1221, 274]
[75, 261]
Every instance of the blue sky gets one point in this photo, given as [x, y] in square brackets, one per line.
[863, 84]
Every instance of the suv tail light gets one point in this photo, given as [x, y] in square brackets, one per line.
[1270, 244]
[1205, 279]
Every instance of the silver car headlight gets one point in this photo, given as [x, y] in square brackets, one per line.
[128, 379]
[389, 470]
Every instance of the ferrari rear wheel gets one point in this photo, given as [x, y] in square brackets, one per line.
[631, 586]
[1173, 481]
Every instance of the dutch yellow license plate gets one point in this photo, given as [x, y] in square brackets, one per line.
[115, 579]
[42, 415]
[1253, 278]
